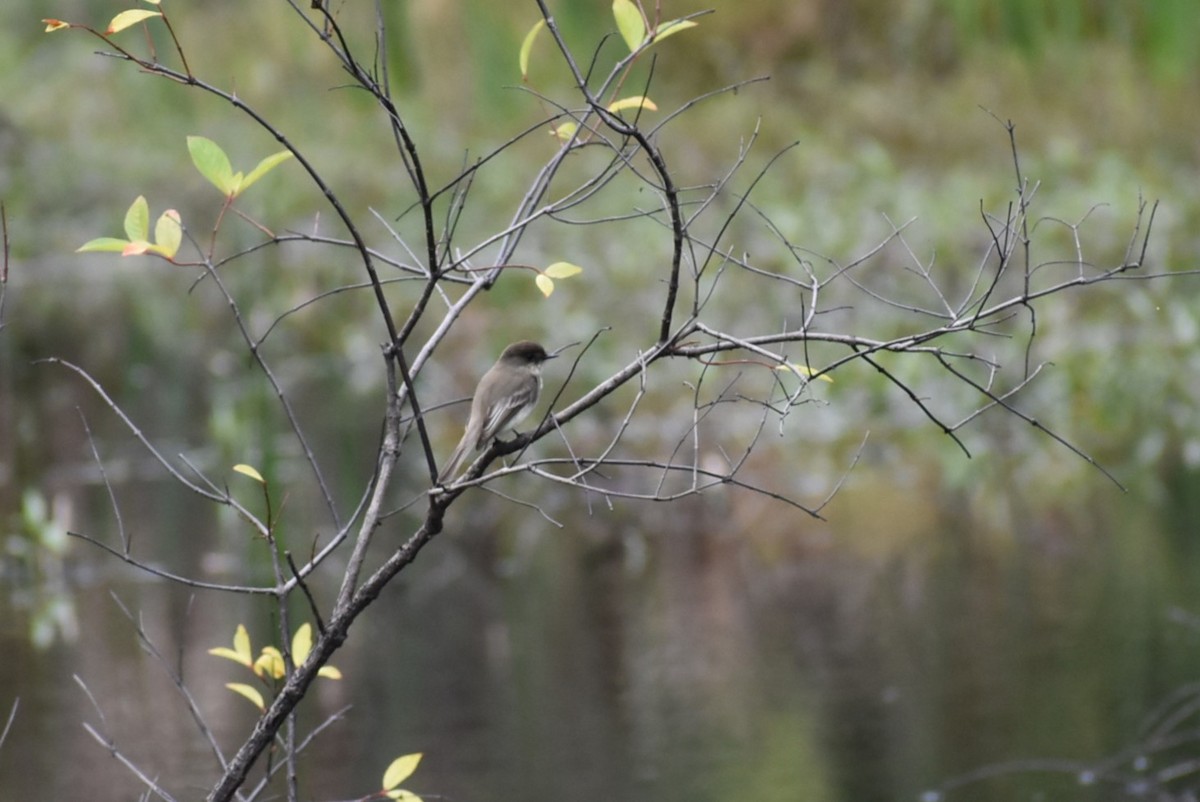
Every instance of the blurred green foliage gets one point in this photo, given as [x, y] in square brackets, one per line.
[884, 99]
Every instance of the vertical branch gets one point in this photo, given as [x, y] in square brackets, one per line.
[293, 788]
[660, 166]
[407, 147]
[3, 260]
[1026, 244]
[652, 153]
[12, 716]
[389, 452]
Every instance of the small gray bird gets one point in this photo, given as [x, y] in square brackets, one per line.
[505, 395]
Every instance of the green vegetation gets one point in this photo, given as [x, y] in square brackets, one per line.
[876, 122]
[884, 99]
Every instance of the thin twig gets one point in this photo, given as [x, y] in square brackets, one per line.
[12, 716]
[111, 746]
[176, 680]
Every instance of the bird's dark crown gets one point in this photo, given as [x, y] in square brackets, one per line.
[526, 351]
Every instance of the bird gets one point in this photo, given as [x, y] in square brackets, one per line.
[504, 396]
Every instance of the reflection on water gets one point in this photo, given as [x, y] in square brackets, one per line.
[657, 654]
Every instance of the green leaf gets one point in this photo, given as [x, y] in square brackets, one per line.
[544, 284]
[212, 163]
[106, 244]
[674, 26]
[249, 692]
[527, 45]
[629, 23]
[137, 220]
[262, 169]
[562, 270]
[637, 101]
[168, 233]
[248, 470]
[131, 17]
[565, 131]
[400, 770]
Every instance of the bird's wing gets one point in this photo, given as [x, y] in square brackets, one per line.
[504, 413]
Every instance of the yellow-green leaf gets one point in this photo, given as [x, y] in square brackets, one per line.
[401, 795]
[527, 46]
[55, 25]
[240, 653]
[544, 284]
[261, 169]
[131, 17]
[168, 233]
[249, 691]
[301, 644]
[226, 652]
[632, 103]
[241, 642]
[247, 470]
[270, 663]
[107, 244]
[137, 219]
[629, 23]
[302, 647]
[400, 770]
[562, 270]
[565, 131]
[212, 163]
[674, 26]
[803, 370]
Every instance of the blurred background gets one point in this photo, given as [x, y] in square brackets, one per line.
[1010, 626]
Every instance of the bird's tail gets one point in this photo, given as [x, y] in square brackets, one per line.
[457, 457]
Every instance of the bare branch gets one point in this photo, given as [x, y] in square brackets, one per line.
[112, 496]
[137, 432]
[1034, 422]
[12, 716]
[176, 680]
[111, 746]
